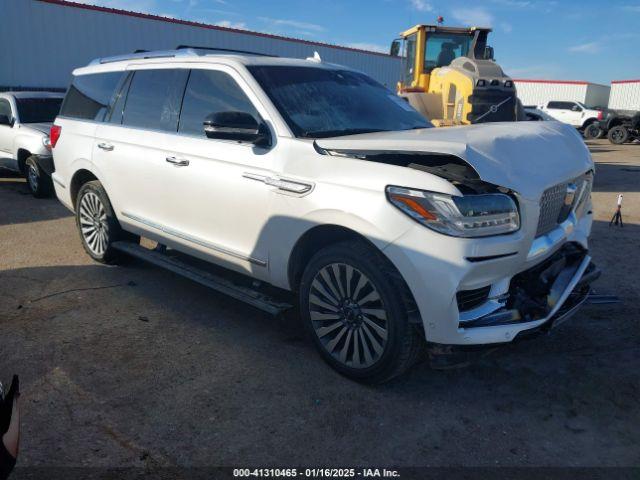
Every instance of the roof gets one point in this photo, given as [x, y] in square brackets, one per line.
[625, 81]
[562, 82]
[34, 94]
[121, 62]
[148, 16]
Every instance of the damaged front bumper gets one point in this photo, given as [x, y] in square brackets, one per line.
[545, 294]
[538, 299]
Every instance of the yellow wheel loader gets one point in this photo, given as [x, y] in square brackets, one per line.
[450, 77]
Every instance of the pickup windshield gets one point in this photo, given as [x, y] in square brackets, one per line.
[38, 110]
[320, 102]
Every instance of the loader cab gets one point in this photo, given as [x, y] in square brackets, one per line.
[448, 74]
[427, 47]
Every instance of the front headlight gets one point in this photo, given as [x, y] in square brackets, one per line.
[466, 216]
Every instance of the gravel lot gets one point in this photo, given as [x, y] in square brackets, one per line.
[134, 366]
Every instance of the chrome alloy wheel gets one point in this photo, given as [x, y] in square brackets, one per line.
[32, 178]
[348, 315]
[93, 223]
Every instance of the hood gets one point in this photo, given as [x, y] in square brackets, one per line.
[40, 127]
[526, 157]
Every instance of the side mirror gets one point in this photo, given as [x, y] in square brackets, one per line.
[576, 108]
[488, 53]
[239, 126]
[5, 120]
[395, 48]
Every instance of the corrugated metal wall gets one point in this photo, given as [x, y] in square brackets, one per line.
[43, 42]
[537, 93]
[625, 95]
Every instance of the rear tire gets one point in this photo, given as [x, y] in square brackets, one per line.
[354, 305]
[38, 182]
[618, 135]
[98, 226]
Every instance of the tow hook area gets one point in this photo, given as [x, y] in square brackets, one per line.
[547, 293]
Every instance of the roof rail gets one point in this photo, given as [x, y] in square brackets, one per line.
[141, 54]
[226, 50]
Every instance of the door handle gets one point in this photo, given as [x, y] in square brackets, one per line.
[105, 146]
[178, 162]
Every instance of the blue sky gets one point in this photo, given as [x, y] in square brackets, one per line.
[593, 40]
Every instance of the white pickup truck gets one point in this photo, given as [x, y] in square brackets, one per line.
[576, 114]
[25, 120]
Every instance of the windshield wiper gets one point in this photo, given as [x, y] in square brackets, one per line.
[340, 133]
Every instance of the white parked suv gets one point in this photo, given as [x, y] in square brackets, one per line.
[576, 114]
[25, 121]
[314, 178]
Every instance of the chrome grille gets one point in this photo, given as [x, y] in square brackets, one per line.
[550, 206]
[552, 202]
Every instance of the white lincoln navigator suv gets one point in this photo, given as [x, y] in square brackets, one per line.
[315, 179]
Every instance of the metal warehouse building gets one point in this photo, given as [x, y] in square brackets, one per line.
[44, 40]
[537, 92]
[625, 95]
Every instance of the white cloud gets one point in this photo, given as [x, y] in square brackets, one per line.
[477, 17]
[632, 8]
[230, 24]
[421, 5]
[280, 22]
[506, 27]
[513, 3]
[372, 47]
[590, 47]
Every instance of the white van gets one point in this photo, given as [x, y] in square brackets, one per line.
[315, 179]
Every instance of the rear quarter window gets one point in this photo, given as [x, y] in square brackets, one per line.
[89, 95]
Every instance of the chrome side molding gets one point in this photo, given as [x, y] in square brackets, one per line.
[283, 184]
[195, 240]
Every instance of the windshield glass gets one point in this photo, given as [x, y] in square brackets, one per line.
[443, 48]
[38, 110]
[320, 103]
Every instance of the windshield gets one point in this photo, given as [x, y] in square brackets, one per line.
[443, 48]
[38, 110]
[320, 103]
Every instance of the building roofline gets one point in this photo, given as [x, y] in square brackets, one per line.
[625, 81]
[189, 23]
[567, 82]
[535, 80]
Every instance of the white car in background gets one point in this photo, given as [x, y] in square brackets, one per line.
[576, 114]
[25, 122]
[314, 178]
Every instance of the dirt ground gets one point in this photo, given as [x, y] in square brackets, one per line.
[134, 366]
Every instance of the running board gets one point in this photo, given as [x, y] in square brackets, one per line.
[215, 282]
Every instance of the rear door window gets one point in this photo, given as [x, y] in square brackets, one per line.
[89, 96]
[154, 99]
[208, 92]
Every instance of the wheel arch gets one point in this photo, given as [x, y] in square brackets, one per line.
[321, 236]
[80, 177]
[21, 156]
[589, 121]
[311, 241]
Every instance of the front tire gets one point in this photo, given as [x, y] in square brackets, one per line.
[98, 226]
[38, 182]
[618, 135]
[354, 304]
